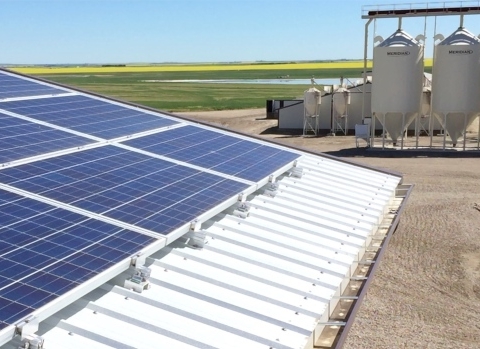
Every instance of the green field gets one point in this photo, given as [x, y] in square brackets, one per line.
[128, 83]
[196, 96]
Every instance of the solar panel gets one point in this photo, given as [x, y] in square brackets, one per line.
[47, 251]
[128, 186]
[216, 151]
[14, 86]
[21, 139]
[88, 115]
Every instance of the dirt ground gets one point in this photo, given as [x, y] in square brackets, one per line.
[426, 293]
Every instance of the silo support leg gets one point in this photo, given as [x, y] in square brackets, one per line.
[478, 135]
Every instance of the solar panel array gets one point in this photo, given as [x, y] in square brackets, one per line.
[80, 184]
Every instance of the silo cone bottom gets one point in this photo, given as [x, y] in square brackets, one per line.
[394, 125]
[455, 125]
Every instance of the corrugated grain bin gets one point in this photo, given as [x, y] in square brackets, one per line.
[397, 82]
[456, 82]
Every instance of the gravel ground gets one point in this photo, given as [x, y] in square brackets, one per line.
[426, 293]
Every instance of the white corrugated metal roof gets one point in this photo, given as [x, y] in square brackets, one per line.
[259, 282]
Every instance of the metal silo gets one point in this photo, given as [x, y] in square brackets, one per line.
[397, 82]
[312, 98]
[456, 82]
[341, 100]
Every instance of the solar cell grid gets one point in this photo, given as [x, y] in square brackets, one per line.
[124, 185]
[47, 251]
[12, 86]
[214, 150]
[88, 115]
[21, 139]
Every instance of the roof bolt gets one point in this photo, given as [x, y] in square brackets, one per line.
[314, 285]
[95, 312]
[284, 329]
[126, 298]
[165, 269]
[70, 333]
[184, 258]
[296, 313]
[305, 297]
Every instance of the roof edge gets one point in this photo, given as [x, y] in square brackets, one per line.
[356, 307]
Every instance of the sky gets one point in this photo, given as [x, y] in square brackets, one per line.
[157, 31]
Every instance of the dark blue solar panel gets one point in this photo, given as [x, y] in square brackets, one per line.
[47, 251]
[15, 86]
[21, 139]
[216, 151]
[88, 115]
[124, 185]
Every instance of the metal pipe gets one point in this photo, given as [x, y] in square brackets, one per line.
[464, 131]
[431, 121]
[365, 50]
[461, 21]
[399, 23]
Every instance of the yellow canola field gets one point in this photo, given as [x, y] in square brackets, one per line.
[189, 67]
[197, 67]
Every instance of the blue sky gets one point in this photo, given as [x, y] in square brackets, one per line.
[128, 31]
